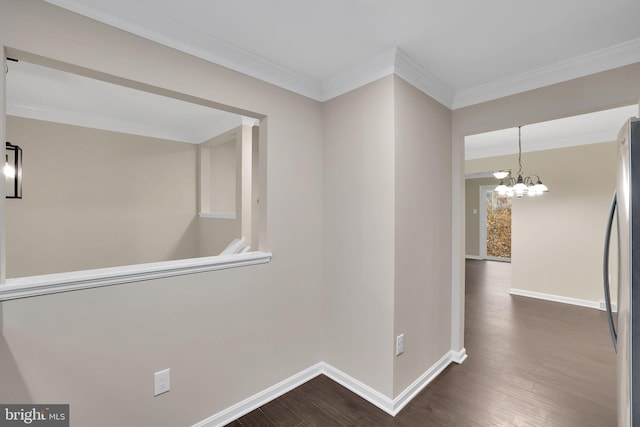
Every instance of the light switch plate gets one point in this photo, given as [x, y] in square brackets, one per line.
[161, 382]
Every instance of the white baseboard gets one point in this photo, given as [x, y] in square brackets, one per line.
[555, 298]
[390, 406]
[418, 385]
[498, 259]
[603, 306]
[459, 356]
[257, 400]
[367, 393]
[489, 258]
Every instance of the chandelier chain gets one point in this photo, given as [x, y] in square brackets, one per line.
[512, 186]
[519, 151]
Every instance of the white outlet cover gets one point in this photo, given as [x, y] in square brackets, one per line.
[161, 382]
[399, 344]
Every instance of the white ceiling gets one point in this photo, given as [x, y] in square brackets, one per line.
[592, 128]
[460, 52]
[43, 93]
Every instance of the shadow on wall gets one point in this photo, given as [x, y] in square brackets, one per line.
[212, 234]
[13, 388]
[184, 247]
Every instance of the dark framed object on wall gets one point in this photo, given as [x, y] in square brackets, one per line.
[13, 171]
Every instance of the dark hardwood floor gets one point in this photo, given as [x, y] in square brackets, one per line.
[531, 363]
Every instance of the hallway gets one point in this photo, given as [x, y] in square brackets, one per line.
[531, 363]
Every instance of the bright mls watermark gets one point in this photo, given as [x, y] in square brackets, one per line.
[34, 415]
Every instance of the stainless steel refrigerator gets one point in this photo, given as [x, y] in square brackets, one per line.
[625, 329]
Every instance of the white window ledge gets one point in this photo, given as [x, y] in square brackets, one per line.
[32, 286]
[218, 215]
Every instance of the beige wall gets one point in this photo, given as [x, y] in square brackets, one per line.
[95, 198]
[557, 238]
[422, 232]
[220, 192]
[472, 220]
[608, 89]
[215, 234]
[387, 241]
[359, 190]
[225, 334]
[229, 334]
[222, 183]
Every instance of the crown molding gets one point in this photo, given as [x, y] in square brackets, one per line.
[393, 61]
[387, 63]
[379, 66]
[216, 51]
[604, 59]
[418, 76]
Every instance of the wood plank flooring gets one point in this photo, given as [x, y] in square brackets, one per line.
[531, 363]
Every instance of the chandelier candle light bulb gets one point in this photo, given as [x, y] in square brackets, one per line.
[531, 185]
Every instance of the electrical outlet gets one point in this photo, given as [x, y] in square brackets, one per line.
[161, 382]
[399, 344]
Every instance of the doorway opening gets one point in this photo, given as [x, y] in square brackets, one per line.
[495, 225]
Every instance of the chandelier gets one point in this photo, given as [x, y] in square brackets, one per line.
[510, 186]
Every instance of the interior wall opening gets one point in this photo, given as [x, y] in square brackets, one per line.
[557, 238]
[117, 173]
